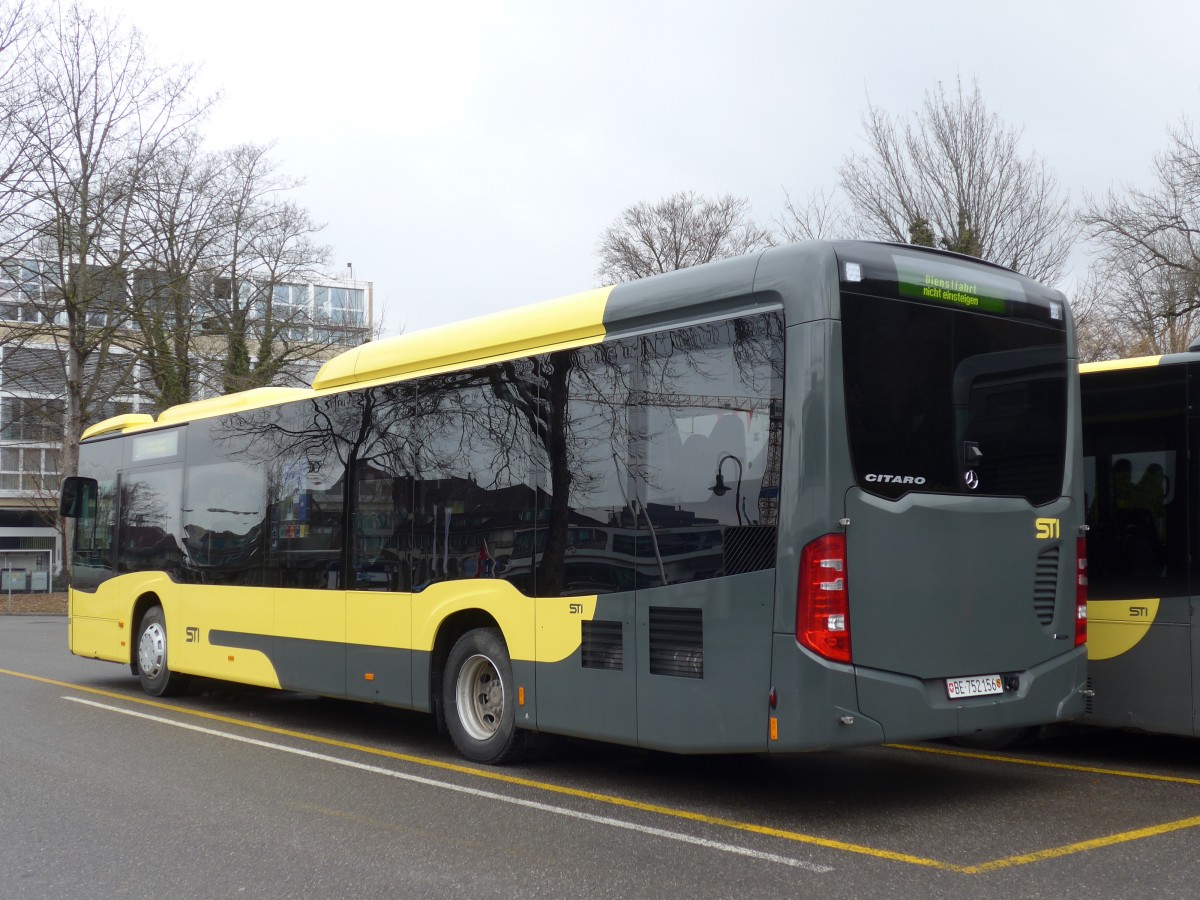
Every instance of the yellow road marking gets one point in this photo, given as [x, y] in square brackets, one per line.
[1094, 844]
[733, 824]
[1042, 764]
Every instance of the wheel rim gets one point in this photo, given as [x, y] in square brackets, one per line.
[152, 650]
[480, 697]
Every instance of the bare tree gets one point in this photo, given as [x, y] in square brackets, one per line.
[268, 247]
[952, 175]
[95, 115]
[679, 231]
[1149, 251]
[1099, 333]
[19, 28]
[181, 210]
[1125, 308]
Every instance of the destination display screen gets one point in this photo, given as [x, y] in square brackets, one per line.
[155, 445]
[941, 280]
[933, 279]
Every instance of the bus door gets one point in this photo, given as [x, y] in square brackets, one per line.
[149, 530]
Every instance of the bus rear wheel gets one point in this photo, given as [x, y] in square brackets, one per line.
[480, 699]
[153, 672]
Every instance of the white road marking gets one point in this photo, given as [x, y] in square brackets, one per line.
[475, 792]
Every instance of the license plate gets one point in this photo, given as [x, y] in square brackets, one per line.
[975, 686]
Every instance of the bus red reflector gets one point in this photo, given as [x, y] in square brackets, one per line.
[1081, 591]
[822, 599]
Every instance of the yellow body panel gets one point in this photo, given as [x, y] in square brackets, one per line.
[512, 610]
[100, 624]
[571, 321]
[1116, 626]
[310, 614]
[379, 619]
[220, 607]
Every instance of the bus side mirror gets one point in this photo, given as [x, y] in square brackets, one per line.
[73, 496]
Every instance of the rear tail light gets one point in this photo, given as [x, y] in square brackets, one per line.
[1081, 592]
[822, 600]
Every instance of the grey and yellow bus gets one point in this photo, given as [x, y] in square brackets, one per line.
[1141, 439]
[822, 496]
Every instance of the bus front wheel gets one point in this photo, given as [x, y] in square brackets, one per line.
[153, 672]
[480, 699]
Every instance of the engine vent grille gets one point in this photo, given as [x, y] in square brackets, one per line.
[1045, 585]
[748, 548]
[603, 645]
[676, 642]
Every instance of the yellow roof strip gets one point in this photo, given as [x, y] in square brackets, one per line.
[570, 321]
[1111, 365]
[118, 423]
[243, 400]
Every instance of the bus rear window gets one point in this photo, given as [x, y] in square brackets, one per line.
[951, 401]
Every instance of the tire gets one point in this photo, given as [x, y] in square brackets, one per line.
[479, 698]
[151, 657]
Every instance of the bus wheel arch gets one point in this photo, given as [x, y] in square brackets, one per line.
[141, 606]
[150, 652]
[449, 631]
[479, 698]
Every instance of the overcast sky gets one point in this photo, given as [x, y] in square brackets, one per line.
[467, 154]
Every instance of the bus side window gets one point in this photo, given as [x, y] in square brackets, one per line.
[149, 533]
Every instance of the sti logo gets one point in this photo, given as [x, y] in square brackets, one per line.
[1047, 529]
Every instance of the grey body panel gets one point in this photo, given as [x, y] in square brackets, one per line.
[1151, 686]
[725, 710]
[390, 671]
[594, 702]
[942, 588]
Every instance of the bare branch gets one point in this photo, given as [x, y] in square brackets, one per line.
[959, 170]
[677, 232]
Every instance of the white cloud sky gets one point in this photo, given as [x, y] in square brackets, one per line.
[467, 154]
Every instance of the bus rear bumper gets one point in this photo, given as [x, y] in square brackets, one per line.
[823, 705]
[912, 709]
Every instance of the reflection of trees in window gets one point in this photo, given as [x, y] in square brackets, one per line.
[533, 470]
[711, 398]
[582, 446]
[148, 506]
[303, 450]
